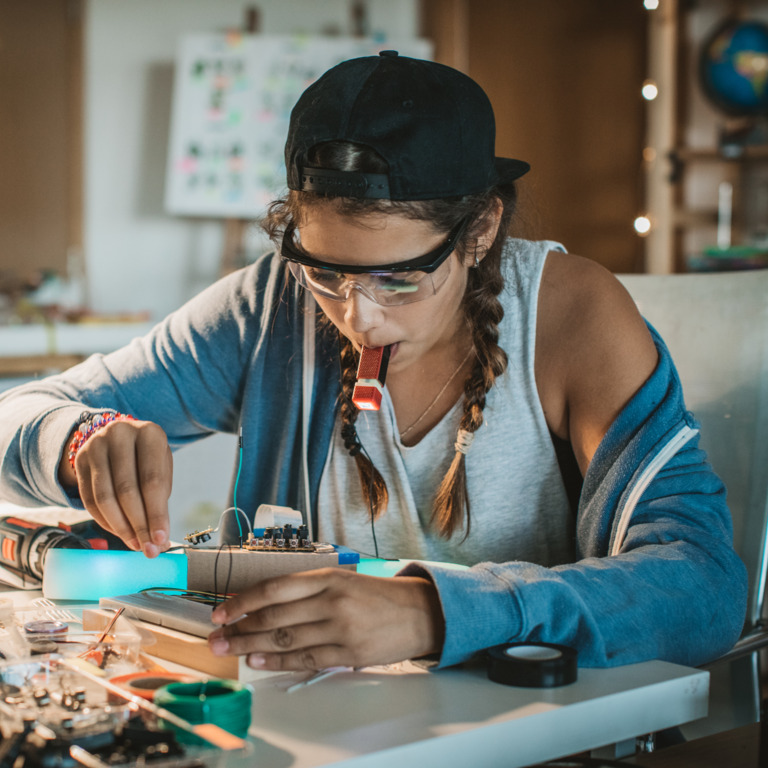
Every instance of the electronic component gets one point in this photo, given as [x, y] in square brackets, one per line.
[171, 611]
[371, 375]
[52, 713]
[200, 537]
[285, 538]
[279, 551]
[24, 547]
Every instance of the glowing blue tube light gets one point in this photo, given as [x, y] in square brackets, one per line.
[88, 574]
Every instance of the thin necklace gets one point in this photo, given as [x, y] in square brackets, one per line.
[437, 396]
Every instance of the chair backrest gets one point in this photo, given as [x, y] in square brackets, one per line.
[716, 327]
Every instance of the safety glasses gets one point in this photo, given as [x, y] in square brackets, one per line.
[392, 284]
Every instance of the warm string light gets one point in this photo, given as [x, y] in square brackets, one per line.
[642, 225]
[649, 91]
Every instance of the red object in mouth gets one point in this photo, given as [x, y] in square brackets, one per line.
[371, 374]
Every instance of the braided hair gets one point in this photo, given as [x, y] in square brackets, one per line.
[481, 307]
[483, 313]
[371, 481]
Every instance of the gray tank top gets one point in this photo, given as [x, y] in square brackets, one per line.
[519, 507]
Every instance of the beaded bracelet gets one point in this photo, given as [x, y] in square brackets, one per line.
[90, 423]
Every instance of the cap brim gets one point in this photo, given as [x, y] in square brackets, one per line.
[508, 169]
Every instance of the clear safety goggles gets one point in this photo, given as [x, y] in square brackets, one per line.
[388, 284]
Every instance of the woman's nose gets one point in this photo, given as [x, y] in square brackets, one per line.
[361, 313]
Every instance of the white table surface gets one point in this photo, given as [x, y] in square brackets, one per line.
[404, 716]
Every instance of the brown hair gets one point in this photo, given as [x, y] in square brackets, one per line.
[482, 310]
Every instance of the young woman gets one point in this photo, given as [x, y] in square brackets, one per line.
[532, 425]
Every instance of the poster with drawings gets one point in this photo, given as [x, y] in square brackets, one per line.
[233, 95]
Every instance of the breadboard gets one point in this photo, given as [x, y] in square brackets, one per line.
[235, 569]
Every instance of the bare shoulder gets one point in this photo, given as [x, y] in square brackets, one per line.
[581, 298]
[593, 350]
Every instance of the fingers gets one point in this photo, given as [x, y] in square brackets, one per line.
[313, 645]
[303, 646]
[274, 592]
[124, 478]
[330, 617]
[315, 658]
[283, 623]
[155, 470]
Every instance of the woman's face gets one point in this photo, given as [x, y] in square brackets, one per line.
[413, 330]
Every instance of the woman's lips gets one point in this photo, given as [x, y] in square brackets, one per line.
[392, 347]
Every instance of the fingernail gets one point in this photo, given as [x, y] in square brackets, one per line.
[219, 646]
[159, 537]
[150, 550]
[219, 616]
[134, 544]
[255, 661]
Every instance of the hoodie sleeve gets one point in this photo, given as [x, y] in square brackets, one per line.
[658, 576]
[186, 375]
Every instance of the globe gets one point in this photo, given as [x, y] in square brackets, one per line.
[733, 67]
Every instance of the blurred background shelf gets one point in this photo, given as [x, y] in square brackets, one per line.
[706, 157]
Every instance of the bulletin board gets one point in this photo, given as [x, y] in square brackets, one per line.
[233, 94]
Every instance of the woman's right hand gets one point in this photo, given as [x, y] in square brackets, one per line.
[123, 473]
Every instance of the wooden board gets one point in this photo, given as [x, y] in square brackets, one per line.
[181, 648]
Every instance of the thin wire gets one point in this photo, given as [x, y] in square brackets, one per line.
[217, 597]
[240, 512]
[193, 595]
[370, 554]
[229, 572]
[237, 480]
[370, 501]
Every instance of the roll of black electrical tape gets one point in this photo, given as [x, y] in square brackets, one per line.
[532, 665]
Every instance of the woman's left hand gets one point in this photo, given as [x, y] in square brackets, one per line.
[330, 617]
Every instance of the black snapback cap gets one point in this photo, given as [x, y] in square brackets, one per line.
[432, 124]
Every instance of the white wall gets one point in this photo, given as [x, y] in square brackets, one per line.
[139, 258]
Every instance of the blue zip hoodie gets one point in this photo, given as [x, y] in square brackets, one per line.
[656, 577]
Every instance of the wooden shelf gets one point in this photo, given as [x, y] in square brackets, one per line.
[680, 209]
[689, 217]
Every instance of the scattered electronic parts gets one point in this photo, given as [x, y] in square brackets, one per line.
[55, 713]
[51, 716]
